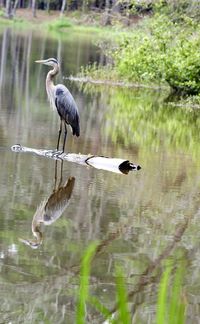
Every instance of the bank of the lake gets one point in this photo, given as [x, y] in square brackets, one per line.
[156, 51]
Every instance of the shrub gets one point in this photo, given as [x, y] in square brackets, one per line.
[162, 51]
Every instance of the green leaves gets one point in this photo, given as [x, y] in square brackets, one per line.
[171, 305]
[162, 51]
[124, 315]
[84, 283]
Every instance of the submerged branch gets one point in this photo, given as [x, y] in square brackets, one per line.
[147, 277]
[113, 83]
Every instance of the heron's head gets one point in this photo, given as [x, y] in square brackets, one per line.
[32, 244]
[51, 62]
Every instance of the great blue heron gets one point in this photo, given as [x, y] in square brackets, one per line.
[61, 99]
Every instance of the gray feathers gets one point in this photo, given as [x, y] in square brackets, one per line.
[67, 108]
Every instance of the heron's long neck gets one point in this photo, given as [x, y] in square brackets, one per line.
[50, 85]
[38, 234]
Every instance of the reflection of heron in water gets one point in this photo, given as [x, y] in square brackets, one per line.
[49, 211]
[62, 100]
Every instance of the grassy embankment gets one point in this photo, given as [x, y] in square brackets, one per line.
[53, 23]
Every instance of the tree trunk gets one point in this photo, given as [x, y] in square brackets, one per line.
[1, 3]
[15, 7]
[106, 18]
[63, 8]
[4, 56]
[48, 6]
[21, 4]
[34, 8]
[85, 6]
[8, 12]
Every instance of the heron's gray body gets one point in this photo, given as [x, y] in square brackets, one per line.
[67, 108]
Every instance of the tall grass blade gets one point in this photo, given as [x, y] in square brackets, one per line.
[177, 306]
[162, 304]
[124, 314]
[84, 283]
[99, 306]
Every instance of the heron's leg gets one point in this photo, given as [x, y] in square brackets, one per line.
[61, 174]
[59, 133]
[65, 136]
[56, 172]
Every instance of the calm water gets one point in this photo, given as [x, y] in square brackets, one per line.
[136, 217]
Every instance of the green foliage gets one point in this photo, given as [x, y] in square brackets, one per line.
[171, 306]
[162, 51]
[96, 73]
[122, 300]
[159, 51]
[176, 9]
[99, 306]
[162, 296]
[59, 24]
[84, 283]
[171, 302]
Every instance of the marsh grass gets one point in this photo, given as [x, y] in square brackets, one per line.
[171, 302]
[59, 24]
[83, 293]
[122, 298]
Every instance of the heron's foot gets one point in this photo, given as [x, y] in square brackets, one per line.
[56, 154]
[55, 151]
[65, 152]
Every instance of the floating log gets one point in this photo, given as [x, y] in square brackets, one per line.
[116, 165]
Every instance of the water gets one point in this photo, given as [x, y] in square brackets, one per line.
[140, 219]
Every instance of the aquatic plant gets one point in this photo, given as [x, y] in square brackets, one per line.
[83, 293]
[171, 304]
[171, 301]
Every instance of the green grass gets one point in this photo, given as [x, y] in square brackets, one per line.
[59, 24]
[171, 306]
[171, 301]
[84, 283]
[16, 22]
[122, 300]
[75, 20]
[162, 296]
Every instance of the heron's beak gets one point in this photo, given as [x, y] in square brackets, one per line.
[32, 244]
[41, 61]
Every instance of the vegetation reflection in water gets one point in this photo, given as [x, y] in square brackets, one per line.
[145, 118]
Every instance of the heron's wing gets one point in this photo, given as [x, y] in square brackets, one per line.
[67, 108]
[58, 201]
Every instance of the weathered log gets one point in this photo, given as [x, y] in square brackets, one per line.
[99, 162]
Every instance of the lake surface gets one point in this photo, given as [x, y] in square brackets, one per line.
[140, 219]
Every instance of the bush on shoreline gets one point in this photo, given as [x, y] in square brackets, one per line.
[157, 51]
[163, 52]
